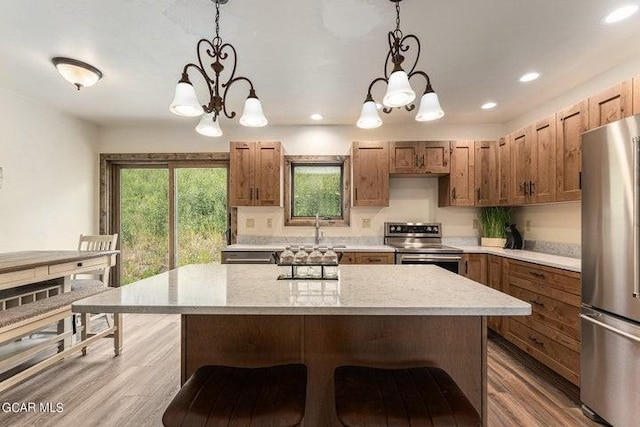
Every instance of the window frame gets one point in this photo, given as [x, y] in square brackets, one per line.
[290, 162]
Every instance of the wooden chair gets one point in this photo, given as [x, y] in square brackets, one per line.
[97, 279]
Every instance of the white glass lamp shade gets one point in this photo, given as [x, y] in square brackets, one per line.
[399, 92]
[185, 102]
[208, 126]
[430, 108]
[78, 73]
[369, 118]
[252, 116]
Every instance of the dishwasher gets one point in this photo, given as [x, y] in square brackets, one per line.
[248, 257]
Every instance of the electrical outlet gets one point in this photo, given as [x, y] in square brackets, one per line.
[366, 222]
[475, 224]
[527, 225]
[269, 222]
[250, 222]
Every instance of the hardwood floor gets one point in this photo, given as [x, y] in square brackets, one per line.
[134, 388]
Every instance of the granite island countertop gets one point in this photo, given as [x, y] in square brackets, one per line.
[423, 290]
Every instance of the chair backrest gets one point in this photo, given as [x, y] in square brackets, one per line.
[106, 242]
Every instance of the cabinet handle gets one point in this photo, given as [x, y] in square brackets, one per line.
[478, 193]
[374, 259]
[356, 195]
[257, 194]
[466, 267]
[416, 161]
[422, 161]
[250, 193]
[536, 274]
[531, 187]
[536, 341]
[79, 264]
[526, 188]
[453, 193]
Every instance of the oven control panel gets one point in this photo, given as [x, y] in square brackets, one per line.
[413, 229]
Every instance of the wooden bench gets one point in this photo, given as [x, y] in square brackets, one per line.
[35, 316]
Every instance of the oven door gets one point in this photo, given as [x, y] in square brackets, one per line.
[449, 262]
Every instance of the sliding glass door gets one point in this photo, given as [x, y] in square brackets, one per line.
[169, 215]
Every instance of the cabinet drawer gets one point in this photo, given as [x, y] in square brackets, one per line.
[566, 281]
[374, 258]
[556, 356]
[81, 266]
[15, 277]
[553, 313]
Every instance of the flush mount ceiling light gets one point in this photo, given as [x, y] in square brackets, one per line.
[488, 105]
[78, 73]
[620, 14]
[399, 93]
[316, 116]
[529, 77]
[185, 102]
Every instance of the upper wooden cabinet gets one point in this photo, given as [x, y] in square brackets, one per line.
[504, 171]
[570, 124]
[486, 173]
[522, 161]
[542, 187]
[370, 164]
[636, 95]
[610, 105]
[419, 158]
[457, 188]
[255, 172]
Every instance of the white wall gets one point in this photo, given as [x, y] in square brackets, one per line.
[49, 189]
[410, 198]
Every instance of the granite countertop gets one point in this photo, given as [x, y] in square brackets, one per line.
[274, 247]
[565, 263]
[361, 290]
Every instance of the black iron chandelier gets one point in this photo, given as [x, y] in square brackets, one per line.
[399, 93]
[185, 102]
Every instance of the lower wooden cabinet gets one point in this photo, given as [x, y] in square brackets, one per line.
[474, 267]
[552, 333]
[367, 258]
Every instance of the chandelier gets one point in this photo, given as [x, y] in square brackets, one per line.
[399, 93]
[185, 102]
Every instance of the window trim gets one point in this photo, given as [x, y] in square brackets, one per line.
[345, 162]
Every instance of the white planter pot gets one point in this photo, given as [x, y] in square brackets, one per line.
[493, 242]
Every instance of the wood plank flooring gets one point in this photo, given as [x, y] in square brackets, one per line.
[134, 388]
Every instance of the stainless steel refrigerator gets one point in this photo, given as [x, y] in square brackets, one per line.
[610, 315]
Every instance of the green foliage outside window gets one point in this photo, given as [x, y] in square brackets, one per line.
[317, 189]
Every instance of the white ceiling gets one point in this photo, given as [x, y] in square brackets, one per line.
[307, 56]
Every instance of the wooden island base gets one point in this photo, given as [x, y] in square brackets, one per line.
[457, 344]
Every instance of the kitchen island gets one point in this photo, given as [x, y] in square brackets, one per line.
[376, 315]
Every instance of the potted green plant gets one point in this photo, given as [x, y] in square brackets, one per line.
[492, 225]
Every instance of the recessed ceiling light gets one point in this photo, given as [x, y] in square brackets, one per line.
[620, 14]
[316, 116]
[529, 77]
[488, 105]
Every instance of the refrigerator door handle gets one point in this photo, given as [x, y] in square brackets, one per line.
[610, 328]
[636, 219]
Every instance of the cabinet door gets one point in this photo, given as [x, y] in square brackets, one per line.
[241, 174]
[404, 157]
[474, 267]
[268, 160]
[494, 280]
[610, 105]
[522, 161]
[434, 158]
[636, 95]
[486, 171]
[370, 173]
[542, 187]
[504, 170]
[570, 124]
[462, 173]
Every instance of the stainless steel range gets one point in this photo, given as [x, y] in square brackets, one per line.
[421, 243]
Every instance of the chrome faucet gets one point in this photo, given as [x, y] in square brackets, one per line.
[318, 236]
